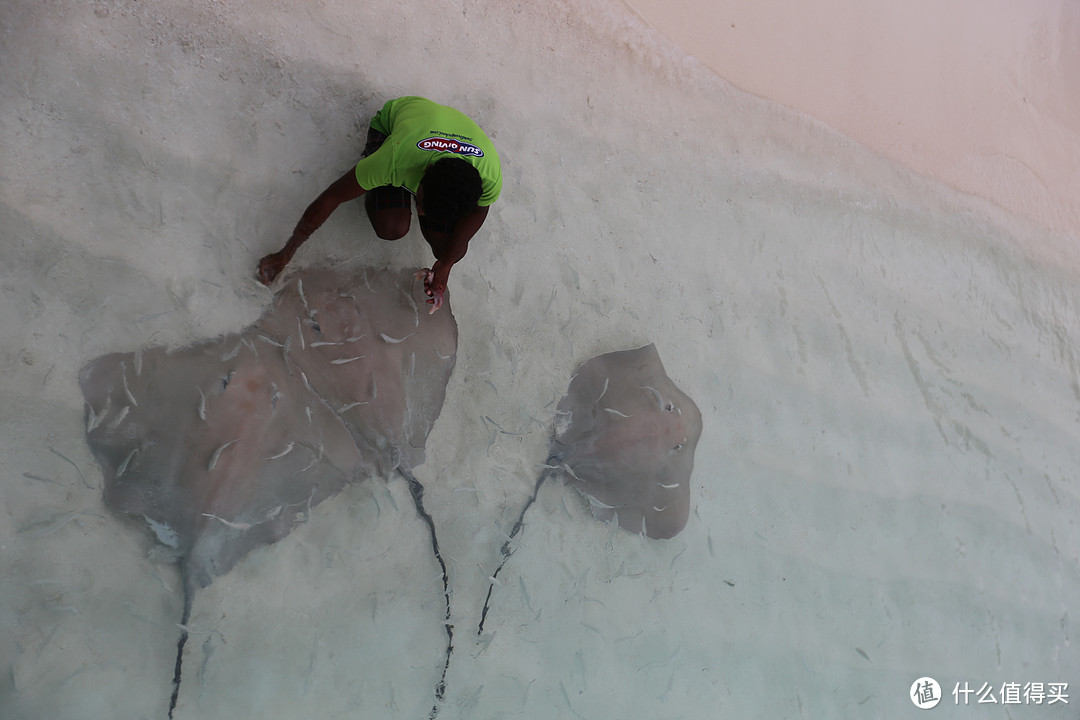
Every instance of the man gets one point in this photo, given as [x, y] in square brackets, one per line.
[416, 149]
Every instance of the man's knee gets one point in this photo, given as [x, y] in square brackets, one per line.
[391, 227]
[390, 211]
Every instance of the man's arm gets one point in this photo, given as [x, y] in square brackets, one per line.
[341, 190]
[456, 247]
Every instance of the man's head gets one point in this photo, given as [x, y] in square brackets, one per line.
[449, 189]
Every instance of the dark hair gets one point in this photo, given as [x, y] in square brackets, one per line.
[451, 189]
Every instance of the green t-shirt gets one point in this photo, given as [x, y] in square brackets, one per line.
[419, 132]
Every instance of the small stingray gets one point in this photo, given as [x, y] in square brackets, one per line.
[625, 437]
[226, 445]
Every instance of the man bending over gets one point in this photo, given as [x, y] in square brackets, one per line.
[416, 150]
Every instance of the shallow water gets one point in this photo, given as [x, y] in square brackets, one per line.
[889, 379]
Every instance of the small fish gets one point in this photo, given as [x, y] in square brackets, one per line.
[354, 338]
[604, 391]
[677, 556]
[125, 462]
[566, 698]
[416, 311]
[613, 411]
[119, 418]
[49, 524]
[283, 453]
[92, 419]
[656, 394]
[668, 487]
[285, 355]
[202, 404]
[300, 290]
[587, 626]
[39, 478]
[655, 663]
[659, 509]
[342, 361]
[127, 391]
[394, 341]
[306, 383]
[270, 341]
[227, 523]
[605, 506]
[217, 454]
[70, 462]
[321, 343]
[351, 405]
[300, 332]
[524, 592]
[138, 361]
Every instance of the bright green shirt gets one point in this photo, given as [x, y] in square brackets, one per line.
[419, 132]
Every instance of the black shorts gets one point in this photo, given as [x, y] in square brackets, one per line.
[387, 196]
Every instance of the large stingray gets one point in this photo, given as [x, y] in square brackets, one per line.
[227, 445]
[625, 437]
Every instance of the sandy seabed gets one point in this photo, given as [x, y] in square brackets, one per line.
[888, 373]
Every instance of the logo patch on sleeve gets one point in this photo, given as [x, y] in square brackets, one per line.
[442, 144]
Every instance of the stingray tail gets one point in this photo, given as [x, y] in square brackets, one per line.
[189, 594]
[416, 489]
[507, 550]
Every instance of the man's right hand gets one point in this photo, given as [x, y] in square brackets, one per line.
[270, 266]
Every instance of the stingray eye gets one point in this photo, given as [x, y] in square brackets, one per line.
[669, 407]
[677, 447]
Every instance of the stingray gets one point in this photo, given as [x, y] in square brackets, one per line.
[227, 445]
[624, 437]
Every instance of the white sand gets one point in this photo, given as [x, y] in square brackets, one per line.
[888, 371]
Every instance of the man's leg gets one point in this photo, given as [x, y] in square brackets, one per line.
[389, 209]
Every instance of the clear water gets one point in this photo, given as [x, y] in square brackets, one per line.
[886, 484]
